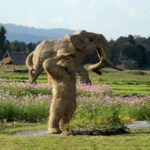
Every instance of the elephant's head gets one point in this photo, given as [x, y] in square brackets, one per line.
[87, 43]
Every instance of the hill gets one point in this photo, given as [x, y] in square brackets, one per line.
[31, 34]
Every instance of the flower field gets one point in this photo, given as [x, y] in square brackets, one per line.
[114, 99]
[97, 105]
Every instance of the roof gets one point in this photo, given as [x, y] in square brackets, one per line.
[16, 58]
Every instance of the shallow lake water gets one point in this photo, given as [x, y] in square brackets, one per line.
[135, 125]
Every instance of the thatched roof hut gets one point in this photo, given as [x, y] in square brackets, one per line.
[14, 58]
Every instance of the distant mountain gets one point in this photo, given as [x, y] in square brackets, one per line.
[31, 34]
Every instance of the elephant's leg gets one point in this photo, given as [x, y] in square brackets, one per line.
[49, 79]
[30, 73]
[69, 111]
[36, 74]
[83, 74]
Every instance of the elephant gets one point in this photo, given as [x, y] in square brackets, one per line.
[84, 44]
[62, 72]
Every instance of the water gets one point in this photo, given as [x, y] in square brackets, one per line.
[135, 125]
[138, 124]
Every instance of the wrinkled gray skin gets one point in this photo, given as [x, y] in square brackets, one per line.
[84, 44]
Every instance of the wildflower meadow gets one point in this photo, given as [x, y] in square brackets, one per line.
[21, 101]
[113, 100]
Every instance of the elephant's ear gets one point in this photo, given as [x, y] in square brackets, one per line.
[77, 42]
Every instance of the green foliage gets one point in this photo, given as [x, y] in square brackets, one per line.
[97, 116]
[21, 46]
[2, 39]
[27, 103]
[141, 111]
[136, 50]
[90, 113]
[127, 82]
[15, 45]
[94, 113]
[22, 91]
[119, 142]
[30, 112]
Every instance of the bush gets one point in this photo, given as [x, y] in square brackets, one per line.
[94, 113]
[141, 111]
[100, 116]
[34, 112]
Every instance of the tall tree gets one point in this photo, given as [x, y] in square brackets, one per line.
[142, 57]
[131, 39]
[2, 39]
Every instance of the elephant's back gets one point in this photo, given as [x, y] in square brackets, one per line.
[43, 51]
[46, 49]
[50, 45]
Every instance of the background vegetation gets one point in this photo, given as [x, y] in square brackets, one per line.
[115, 98]
[125, 95]
[133, 49]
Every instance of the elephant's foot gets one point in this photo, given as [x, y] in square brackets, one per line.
[31, 82]
[85, 81]
[54, 130]
[66, 132]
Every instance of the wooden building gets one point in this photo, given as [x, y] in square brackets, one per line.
[14, 59]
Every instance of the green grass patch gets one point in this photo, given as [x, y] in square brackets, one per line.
[15, 114]
[109, 76]
[8, 128]
[22, 91]
[136, 140]
[29, 112]
[141, 89]
[94, 113]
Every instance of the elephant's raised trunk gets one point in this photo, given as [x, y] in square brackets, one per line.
[103, 60]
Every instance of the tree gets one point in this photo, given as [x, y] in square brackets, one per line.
[142, 57]
[131, 39]
[2, 39]
[134, 49]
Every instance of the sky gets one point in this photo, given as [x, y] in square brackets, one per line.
[112, 18]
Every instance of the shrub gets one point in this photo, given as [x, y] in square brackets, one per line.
[33, 112]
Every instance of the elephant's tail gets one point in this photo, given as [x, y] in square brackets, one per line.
[29, 62]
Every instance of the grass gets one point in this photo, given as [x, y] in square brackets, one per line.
[141, 89]
[126, 82]
[137, 80]
[93, 109]
[22, 90]
[91, 112]
[136, 140]
[8, 128]
[31, 112]
[23, 104]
